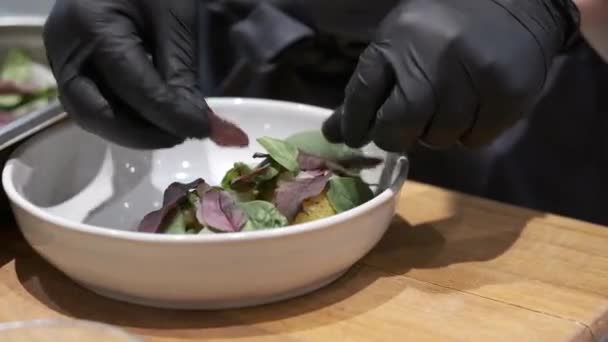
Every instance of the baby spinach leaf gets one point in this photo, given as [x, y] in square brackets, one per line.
[261, 174]
[219, 211]
[262, 215]
[313, 142]
[238, 170]
[282, 152]
[348, 192]
[291, 192]
[177, 224]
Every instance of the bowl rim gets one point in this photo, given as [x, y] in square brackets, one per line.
[326, 223]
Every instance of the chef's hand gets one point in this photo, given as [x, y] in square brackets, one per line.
[442, 72]
[127, 69]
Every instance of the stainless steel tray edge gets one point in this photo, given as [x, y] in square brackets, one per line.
[31, 123]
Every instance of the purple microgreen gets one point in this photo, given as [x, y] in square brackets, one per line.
[346, 166]
[11, 87]
[153, 221]
[248, 181]
[225, 133]
[291, 192]
[238, 170]
[219, 211]
[176, 191]
[175, 194]
[201, 189]
[308, 162]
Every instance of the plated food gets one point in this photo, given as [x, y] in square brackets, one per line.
[300, 179]
[52, 195]
[24, 86]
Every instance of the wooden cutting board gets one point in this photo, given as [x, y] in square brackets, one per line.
[451, 268]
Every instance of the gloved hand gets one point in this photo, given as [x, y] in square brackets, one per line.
[127, 69]
[443, 72]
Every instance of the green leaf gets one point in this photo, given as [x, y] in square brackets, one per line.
[268, 174]
[189, 209]
[262, 215]
[313, 142]
[10, 101]
[249, 227]
[17, 67]
[251, 180]
[348, 192]
[177, 225]
[205, 231]
[282, 152]
[238, 170]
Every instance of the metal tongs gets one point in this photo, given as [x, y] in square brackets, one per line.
[394, 173]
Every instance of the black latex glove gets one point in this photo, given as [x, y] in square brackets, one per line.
[126, 69]
[444, 72]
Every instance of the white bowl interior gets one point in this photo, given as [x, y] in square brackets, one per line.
[77, 176]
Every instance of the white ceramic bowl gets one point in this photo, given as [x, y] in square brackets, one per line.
[77, 199]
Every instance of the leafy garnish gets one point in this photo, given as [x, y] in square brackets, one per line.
[177, 190]
[315, 143]
[177, 225]
[281, 152]
[17, 67]
[153, 222]
[348, 192]
[294, 183]
[292, 192]
[247, 181]
[225, 133]
[238, 170]
[219, 211]
[175, 194]
[347, 167]
[263, 215]
[261, 155]
[11, 87]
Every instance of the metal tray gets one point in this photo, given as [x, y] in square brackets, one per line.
[24, 33]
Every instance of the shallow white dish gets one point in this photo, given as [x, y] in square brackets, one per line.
[77, 198]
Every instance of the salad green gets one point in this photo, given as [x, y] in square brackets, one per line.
[24, 86]
[299, 179]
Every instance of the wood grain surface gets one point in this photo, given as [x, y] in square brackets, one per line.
[450, 268]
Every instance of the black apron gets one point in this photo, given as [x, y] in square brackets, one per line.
[553, 160]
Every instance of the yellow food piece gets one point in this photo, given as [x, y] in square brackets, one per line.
[315, 208]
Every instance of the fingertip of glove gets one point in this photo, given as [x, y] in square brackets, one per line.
[192, 115]
[332, 128]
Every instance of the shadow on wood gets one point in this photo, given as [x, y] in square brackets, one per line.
[446, 237]
[54, 290]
